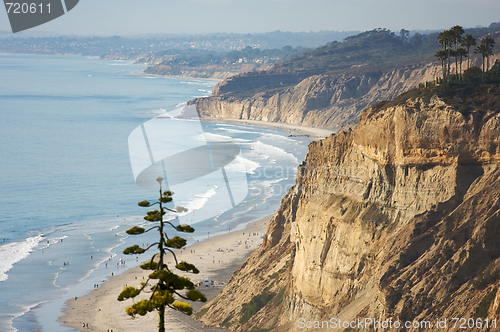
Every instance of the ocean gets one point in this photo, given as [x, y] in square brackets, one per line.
[68, 192]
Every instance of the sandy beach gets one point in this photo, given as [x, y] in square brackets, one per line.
[311, 132]
[216, 257]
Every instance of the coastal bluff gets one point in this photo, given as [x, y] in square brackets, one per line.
[307, 98]
[312, 98]
[396, 219]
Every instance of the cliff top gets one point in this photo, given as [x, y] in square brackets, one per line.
[375, 50]
[467, 97]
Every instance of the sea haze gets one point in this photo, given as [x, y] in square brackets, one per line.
[67, 190]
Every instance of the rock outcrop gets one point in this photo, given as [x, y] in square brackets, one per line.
[397, 219]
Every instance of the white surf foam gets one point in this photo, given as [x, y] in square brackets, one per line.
[265, 151]
[15, 252]
[121, 64]
[225, 124]
[211, 137]
[243, 165]
[275, 137]
[236, 131]
[271, 187]
[198, 201]
[48, 243]
[194, 83]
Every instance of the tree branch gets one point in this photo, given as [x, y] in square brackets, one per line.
[151, 229]
[175, 257]
[154, 291]
[182, 296]
[145, 284]
[152, 260]
[152, 245]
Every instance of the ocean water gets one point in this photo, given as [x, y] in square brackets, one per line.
[67, 190]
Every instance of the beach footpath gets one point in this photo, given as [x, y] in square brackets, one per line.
[216, 257]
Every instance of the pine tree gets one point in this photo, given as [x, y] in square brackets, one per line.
[169, 285]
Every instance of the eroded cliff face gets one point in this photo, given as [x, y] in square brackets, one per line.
[254, 80]
[311, 99]
[398, 219]
[325, 100]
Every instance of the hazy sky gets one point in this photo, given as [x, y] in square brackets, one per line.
[129, 17]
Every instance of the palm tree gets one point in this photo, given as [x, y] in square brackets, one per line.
[485, 49]
[462, 53]
[442, 55]
[468, 41]
[445, 39]
[481, 50]
[456, 34]
[490, 42]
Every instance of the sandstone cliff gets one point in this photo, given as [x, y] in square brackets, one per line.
[311, 99]
[397, 219]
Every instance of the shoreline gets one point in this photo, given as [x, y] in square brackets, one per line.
[100, 308]
[314, 133]
[216, 80]
[85, 309]
[216, 257]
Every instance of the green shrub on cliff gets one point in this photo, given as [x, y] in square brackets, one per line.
[251, 308]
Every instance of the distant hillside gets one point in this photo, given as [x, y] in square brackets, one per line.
[215, 65]
[378, 49]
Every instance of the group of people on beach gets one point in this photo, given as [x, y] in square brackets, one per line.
[87, 326]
